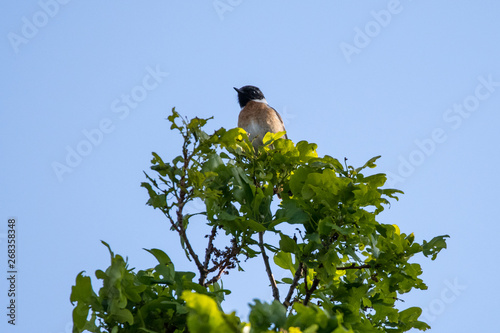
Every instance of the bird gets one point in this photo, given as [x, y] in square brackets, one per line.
[256, 116]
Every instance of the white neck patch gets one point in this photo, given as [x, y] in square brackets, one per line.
[263, 100]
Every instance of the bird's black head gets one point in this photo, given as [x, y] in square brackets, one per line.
[248, 93]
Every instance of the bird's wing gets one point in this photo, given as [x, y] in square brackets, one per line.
[281, 120]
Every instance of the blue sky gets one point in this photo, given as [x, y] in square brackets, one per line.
[417, 82]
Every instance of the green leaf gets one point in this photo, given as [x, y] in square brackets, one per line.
[82, 293]
[263, 316]
[82, 290]
[369, 164]
[433, 247]
[326, 225]
[309, 317]
[172, 119]
[161, 256]
[270, 137]
[284, 260]
[291, 212]
[376, 180]
[155, 200]
[167, 272]
[287, 244]
[391, 193]
[253, 225]
[109, 248]
[205, 316]
[123, 316]
[409, 319]
[307, 150]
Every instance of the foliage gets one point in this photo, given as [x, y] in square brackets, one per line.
[146, 301]
[347, 271]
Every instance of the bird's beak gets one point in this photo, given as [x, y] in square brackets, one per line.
[239, 91]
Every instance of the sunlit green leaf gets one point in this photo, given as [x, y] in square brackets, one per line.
[205, 317]
[284, 260]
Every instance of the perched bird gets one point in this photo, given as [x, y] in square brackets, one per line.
[256, 116]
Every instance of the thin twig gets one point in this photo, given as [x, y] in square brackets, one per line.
[353, 267]
[305, 280]
[180, 206]
[217, 277]
[276, 292]
[309, 292]
[227, 263]
[210, 246]
[314, 286]
[182, 234]
[208, 254]
[295, 282]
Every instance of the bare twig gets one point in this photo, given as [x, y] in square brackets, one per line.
[182, 234]
[179, 225]
[217, 277]
[310, 291]
[208, 254]
[314, 286]
[353, 267]
[229, 257]
[305, 279]
[210, 246]
[276, 293]
[294, 284]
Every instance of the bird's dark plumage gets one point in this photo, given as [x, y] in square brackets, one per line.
[256, 116]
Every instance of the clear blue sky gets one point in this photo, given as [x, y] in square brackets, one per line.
[417, 82]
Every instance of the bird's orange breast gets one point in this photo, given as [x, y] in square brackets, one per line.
[259, 118]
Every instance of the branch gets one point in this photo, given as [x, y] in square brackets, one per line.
[309, 292]
[315, 283]
[182, 234]
[180, 206]
[353, 267]
[276, 293]
[294, 284]
[210, 246]
[208, 254]
[217, 277]
[229, 260]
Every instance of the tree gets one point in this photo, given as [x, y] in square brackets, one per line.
[347, 271]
